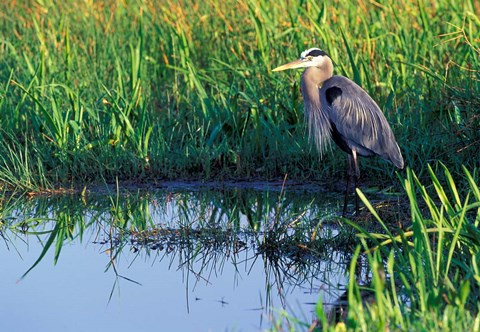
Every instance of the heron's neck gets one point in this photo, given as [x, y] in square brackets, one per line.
[318, 123]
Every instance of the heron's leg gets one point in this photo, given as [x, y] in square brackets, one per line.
[356, 175]
[349, 178]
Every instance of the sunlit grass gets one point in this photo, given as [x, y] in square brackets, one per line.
[142, 90]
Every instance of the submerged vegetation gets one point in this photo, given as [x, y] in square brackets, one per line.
[93, 91]
[143, 91]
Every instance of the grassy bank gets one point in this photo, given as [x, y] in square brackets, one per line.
[93, 91]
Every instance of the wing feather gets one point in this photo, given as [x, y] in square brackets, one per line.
[358, 119]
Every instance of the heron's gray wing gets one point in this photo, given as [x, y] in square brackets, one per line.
[358, 120]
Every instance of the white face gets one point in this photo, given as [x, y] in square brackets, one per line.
[313, 57]
[310, 60]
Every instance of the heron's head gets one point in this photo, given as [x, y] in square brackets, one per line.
[313, 57]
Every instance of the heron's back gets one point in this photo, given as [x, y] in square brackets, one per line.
[357, 122]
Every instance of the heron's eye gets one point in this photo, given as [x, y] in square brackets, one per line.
[310, 58]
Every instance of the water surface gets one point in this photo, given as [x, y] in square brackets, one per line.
[173, 259]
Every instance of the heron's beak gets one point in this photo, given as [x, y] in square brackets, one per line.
[299, 63]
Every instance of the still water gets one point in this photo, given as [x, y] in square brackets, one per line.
[173, 259]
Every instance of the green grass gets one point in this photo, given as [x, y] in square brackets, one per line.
[96, 91]
[425, 277]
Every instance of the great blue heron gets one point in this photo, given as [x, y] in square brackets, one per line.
[336, 107]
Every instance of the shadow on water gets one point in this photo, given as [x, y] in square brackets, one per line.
[195, 259]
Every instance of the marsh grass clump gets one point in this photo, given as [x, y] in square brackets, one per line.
[428, 274]
[92, 91]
